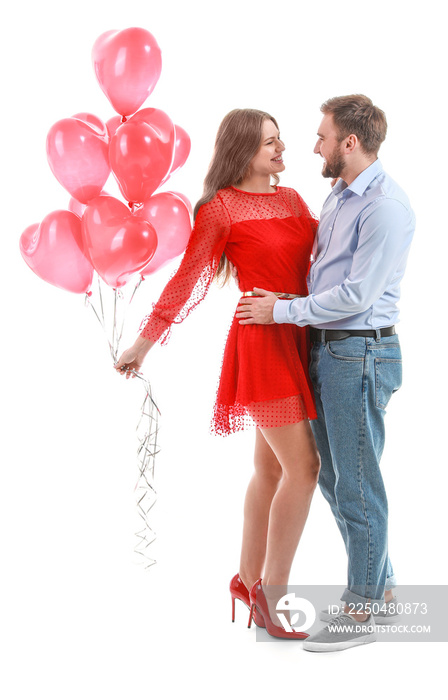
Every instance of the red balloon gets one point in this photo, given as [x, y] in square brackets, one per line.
[78, 154]
[78, 208]
[139, 159]
[55, 251]
[127, 65]
[118, 243]
[159, 121]
[112, 125]
[171, 219]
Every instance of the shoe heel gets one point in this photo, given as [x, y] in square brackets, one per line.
[239, 591]
[251, 615]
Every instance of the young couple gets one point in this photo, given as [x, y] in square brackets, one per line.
[312, 356]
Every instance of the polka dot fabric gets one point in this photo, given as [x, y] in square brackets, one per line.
[268, 237]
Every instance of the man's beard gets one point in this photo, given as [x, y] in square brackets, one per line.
[334, 166]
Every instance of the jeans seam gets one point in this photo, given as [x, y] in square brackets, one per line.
[361, 471]
[378, 385]
[343, 358]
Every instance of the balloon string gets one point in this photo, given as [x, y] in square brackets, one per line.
[146, 454]
[101, 301]
[100, 316]
[114, 327]
[136, 288]
[147, 428]
[120, 297]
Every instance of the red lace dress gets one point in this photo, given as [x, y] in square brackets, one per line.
[268, 237]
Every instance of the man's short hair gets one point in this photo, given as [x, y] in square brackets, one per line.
[356, 114]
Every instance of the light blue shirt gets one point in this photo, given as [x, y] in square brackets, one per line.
[361, 248]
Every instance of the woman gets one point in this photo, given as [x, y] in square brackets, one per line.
[267, 232]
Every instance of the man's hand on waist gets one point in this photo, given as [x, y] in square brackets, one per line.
[257, 309]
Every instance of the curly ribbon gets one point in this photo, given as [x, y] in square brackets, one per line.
[147, 433]
[147, 427]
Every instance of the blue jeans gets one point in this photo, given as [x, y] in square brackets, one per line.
[353, 381]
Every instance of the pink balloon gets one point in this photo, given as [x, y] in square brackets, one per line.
[139, 159]
[78, 154]
[171, 219]
[182, 146]
[76, 207]
[181, 149]
[118, 243]
[185, 200]
[79, 208]
[95, 122]
[127, 65]
[112, 125]
[55, 251]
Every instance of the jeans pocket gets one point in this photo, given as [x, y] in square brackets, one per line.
[351, 349]
[388, 375]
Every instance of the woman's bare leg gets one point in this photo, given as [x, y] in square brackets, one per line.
[277, 502]
[257, 504]
[296, 451]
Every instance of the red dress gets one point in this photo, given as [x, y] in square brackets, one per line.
[268, 237]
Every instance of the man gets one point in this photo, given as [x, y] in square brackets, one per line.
[363, 240]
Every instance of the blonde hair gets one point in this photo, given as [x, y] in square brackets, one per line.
[237, 141]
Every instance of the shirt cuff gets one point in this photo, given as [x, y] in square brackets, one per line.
[280, 311]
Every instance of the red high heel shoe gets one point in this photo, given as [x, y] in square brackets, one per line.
[259, 604]
[239, 590]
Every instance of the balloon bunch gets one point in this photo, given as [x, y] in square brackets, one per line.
[99, 233]
[142, 148]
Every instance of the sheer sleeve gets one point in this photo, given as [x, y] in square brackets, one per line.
[190, 284]
[304, 210]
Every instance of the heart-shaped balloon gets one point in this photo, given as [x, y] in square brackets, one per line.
[127, 65]
[118, 243]
[156, 118]
[54, 250]
[170, 217]
[112, 125]
[185, 200]
[182, 149]
[140, 158]
[160, 121]
[78, 154]
[79, 208]
[95, 122]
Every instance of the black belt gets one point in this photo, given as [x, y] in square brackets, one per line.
[322, 335]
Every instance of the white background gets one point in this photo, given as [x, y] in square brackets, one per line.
[79, 618]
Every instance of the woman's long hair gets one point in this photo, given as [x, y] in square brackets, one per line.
[237, 141]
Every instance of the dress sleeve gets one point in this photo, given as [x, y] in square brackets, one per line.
[300, 208]
[306, 211]
[190, 284]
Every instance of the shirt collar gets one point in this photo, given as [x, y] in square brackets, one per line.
[360, 184]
